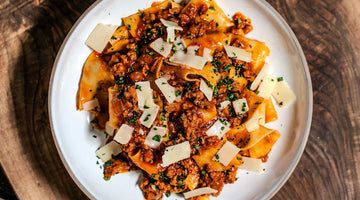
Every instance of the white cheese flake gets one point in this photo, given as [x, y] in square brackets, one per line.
[207, 54]
[170, 34]
[155, 136]
[176, 153]
[260, 77]
[144, 94]
[100, 36]
[196, 62]
[162, 47]
[252, 124]
[240, 106]
[123, 135]
[193, 50]
[208, 92]
[92, 105]
[283, 94]
[172, 24]
[224, 104]
[267, 86]
[105, 152]
[199, 191]
[149, 115]
[238, 53]
[109, 129]
[227, 152]
[219, 128]
[168, 91]
[252, 164]
[179, 44]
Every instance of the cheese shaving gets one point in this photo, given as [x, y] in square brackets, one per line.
[208, 92]
[198, 192]
[252, 164]
[196, 62]
[168, 91]
[283, 94]
[123, 135]
[100, 36]
[240, 106]
[259, 77]
[172, 24]
[161, 47]
[267, 86]
[106, 151]
[155, 136]
[92, 105]
[176, 153]
[219, 128]
[238, 53]
[227, 152]
[144, 94]
[109, 129]
[149, 115]
[224, 104]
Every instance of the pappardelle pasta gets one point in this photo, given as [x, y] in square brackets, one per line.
[183, 96]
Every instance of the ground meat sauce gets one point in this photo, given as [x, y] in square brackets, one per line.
[184, 119]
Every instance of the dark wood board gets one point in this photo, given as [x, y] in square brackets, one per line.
[31, 32]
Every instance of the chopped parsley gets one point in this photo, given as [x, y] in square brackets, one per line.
[177, 93]
[151, 53]
[156, 138]
[146, 107]
[147, 117]
[138, 87]
[211, 8]
[120, 81]
[217, 156]
[227, 68]
[280, 79]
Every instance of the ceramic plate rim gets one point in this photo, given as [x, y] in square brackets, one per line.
[308, 87]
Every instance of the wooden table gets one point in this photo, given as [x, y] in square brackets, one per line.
[31, 32]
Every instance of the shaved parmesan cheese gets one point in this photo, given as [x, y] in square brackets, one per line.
[176, 153]
[240, 106]
[238, 53]
[252, 124]
[144, 94]
[170, 34]
[149, 115]
[198, 192]
[109, 129]
[106, 151]
[206, 54]
[224, 104]
[168, 91]
[208, 92]
[162, 47]
[123, 135]
[191, 50]
[172, 24]
[196, 62]
[100, 36]
[227, 152]
[260, 77]
[219, 128]
[92, 105]
[155, 136]
[141, 132]
[266, 86]
[179, 43]
[251, 164]
[283, 94]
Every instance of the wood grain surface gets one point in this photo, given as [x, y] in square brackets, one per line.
[31, 32]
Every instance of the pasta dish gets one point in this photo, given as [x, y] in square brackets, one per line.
[182, 95]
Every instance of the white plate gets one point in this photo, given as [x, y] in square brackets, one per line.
[74, 137]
